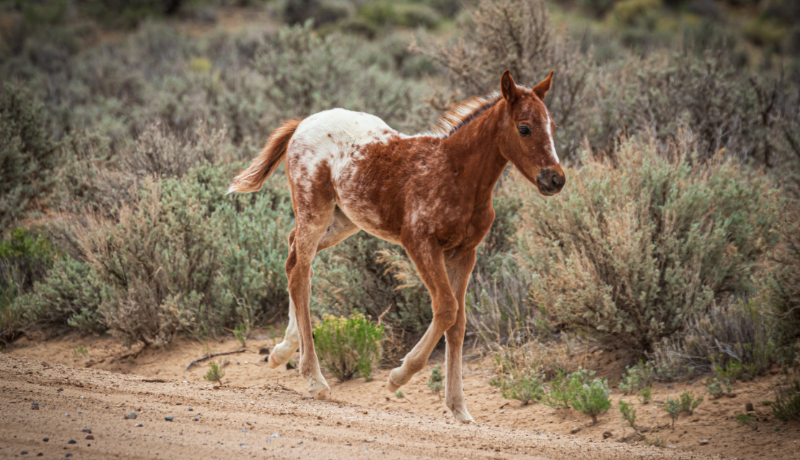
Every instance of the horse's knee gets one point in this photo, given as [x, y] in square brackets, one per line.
[445, 315]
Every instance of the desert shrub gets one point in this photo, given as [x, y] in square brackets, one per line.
[628, 414]
[306, 74]
[435, 381]
[673, 408]
[750, 420]
[68, 296]
[25, 257]
[637, 377]
[27, 153]
[787, 401]
[718, 388]
[561, 390]
[688, 402]
[215, 373]
[348, 347]
[783, 286]
[525, 387]
[646, 394]
[591, 398]
[733, 332]
[630, 252]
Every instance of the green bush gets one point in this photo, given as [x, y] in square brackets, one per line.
[718, 388]
[673, 408]
[348, 347]
[635, 249]
[688, 402]
[25, 258]
[525, 387]
[787, 401]
[215, 373]
[27, 154]
[591, 398]
[628, 414]
[435, 381]
[637, 377]
[783, 286]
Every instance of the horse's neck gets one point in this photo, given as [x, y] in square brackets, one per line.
[475, 147]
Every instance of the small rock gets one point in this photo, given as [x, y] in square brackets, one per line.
[197, 419]
[644, 429]
[87, 430]
[703, 442]
[68, 455]
[138, 425]
[263, 351]
[45, 439]
[131, 415]
[749, 407]
[190, 409]
[72, 441]
[40, 454]
[607, 434]
[242, 443]
[671, 447]
[169, 418]
[24, 452]
[575, 430]
[244, 431]
[90, 436]
[34, 407]
[34, 404]
[60, 389]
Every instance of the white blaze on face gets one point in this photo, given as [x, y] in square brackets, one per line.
[552, 144]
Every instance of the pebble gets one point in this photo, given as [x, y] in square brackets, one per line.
[703, 442]
[671, 447]
[45, 439]
[576, 429]
[24, 452]
[60, 389]
[87, 430]
[169, 418]
[131, 415]
[749, 407]
[197, 419]
[244, 431]
[69, 455]
[34, 406]
[263, 351]
[242, 444]
[72, 441]
[190, 409]
[273, 436]
[607, 434]
[90, 437]
[138, 425]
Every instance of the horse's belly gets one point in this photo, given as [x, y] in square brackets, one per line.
[367, 217]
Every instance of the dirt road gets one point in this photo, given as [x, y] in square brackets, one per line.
[238, 422]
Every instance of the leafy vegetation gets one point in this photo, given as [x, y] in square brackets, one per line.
[215, 373]
[348, 347]
[435, 381]
[628, 414]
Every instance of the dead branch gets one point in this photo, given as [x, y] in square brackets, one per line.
[212, 355]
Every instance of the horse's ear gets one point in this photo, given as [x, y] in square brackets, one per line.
[509, 88]
[544, 86]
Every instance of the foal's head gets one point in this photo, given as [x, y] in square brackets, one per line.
[527, 134]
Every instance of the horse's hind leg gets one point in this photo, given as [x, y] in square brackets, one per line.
[339, 228]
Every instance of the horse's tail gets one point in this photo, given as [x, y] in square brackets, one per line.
[251, 179]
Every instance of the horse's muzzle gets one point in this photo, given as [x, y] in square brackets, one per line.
[550, 182]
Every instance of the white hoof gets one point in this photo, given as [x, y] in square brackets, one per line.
[318, 389]
[390, 383]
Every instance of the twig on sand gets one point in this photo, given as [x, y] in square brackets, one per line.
[212, 355]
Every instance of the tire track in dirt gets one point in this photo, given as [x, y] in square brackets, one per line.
[238, 421]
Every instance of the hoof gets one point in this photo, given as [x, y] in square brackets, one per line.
[390, 384]
[465, 419]
[318, 389]
[273, 362]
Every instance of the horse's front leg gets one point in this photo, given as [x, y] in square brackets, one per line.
[427, 255]
[459, 268]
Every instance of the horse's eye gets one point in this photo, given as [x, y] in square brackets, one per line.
[524, 130]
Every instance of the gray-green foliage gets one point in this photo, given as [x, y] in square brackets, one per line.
[637, 377]
[787, 400]
[718, 388]
[591, 398]
[348, 347]
[525, 387]
[27, 154]
[628, 413]
[688, 402]
[634, 249]
[435, 380]
[673, 408]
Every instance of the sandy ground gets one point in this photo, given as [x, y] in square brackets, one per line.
[363, 420]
